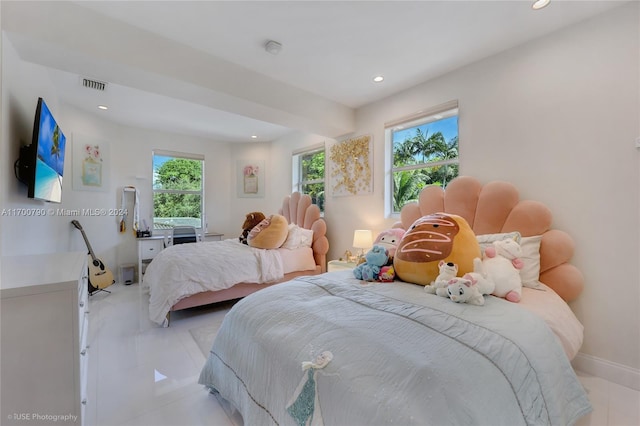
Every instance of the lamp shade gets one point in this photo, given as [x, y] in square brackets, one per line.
[362, 238]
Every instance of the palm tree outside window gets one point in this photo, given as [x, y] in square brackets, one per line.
[423, 151]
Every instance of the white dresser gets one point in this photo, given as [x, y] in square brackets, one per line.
[44, 324]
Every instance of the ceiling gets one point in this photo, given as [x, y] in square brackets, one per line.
[200, 67]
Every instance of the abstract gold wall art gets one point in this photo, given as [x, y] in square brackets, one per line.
[351, 166]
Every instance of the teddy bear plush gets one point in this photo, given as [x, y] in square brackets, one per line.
[375, 259]
[501, 264]
[251, 220]
[448, 271]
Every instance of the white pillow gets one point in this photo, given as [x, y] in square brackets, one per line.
[298, 237]
[530, 273]
[485, 240]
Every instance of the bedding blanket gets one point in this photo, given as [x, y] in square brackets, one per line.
[398, 356]
[186, 269]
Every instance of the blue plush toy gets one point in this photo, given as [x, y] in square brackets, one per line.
[375, 258]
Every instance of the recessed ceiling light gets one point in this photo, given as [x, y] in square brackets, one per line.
[103, 107]
[539, 4]
[254, 137]
[378, 78]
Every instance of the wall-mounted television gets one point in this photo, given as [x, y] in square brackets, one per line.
[41, 164]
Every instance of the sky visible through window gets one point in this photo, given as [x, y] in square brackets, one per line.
[448, 127]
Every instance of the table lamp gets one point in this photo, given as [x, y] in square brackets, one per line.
[362, 239]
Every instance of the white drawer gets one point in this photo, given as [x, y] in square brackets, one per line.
[149, 249]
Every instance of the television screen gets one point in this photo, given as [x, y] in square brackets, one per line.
[49, 145]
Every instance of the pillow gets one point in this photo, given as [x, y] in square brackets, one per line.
[298, 237]
[270, 233]
[530, 273]
[300, 259]
[486, 240]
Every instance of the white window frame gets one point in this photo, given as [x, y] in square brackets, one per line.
[430, 115]
[201, 192]
[296, 168]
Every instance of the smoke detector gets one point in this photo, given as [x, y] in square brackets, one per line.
[273, 47]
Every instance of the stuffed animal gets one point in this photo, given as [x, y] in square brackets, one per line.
[375, 259]
[430, 239]
[462, 290]
[270, 233]
[251, 220]
[480, 277]
[471, 288]
[390, 239]
[501, 264]
[448, 271]
[387, 274]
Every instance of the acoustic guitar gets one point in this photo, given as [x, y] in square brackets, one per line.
[100, 277]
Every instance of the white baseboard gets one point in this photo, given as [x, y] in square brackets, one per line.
[611, 371]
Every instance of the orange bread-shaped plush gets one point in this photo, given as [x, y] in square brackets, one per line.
[270, 233]
[430, 239]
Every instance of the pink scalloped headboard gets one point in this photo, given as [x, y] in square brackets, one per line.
[496, 207]
[297, 208]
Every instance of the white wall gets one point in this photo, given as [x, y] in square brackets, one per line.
[130, 163]
[558, 118]
[22, 85]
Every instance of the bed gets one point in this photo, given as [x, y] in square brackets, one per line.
[332, 349]
[189, 275]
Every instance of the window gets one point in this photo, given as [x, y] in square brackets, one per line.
[178, 193]
[423, 150]
[308, 174]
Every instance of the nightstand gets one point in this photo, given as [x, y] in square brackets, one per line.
[148, 248]
[213, 236]
[340, 265]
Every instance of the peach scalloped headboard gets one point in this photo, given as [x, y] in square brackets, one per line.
[496, 207]
[297, 208]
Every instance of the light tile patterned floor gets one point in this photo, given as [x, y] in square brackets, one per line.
[143, 375]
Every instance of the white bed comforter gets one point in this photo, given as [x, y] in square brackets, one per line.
[400, 357]
[186, 269]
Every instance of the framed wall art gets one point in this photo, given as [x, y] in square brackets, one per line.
[91, 162]
[250, 178]
[351, 166]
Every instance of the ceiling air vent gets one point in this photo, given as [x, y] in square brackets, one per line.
[94, 84]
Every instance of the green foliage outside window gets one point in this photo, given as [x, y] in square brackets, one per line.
[421, 160]
[312, 176]
[177, 192]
